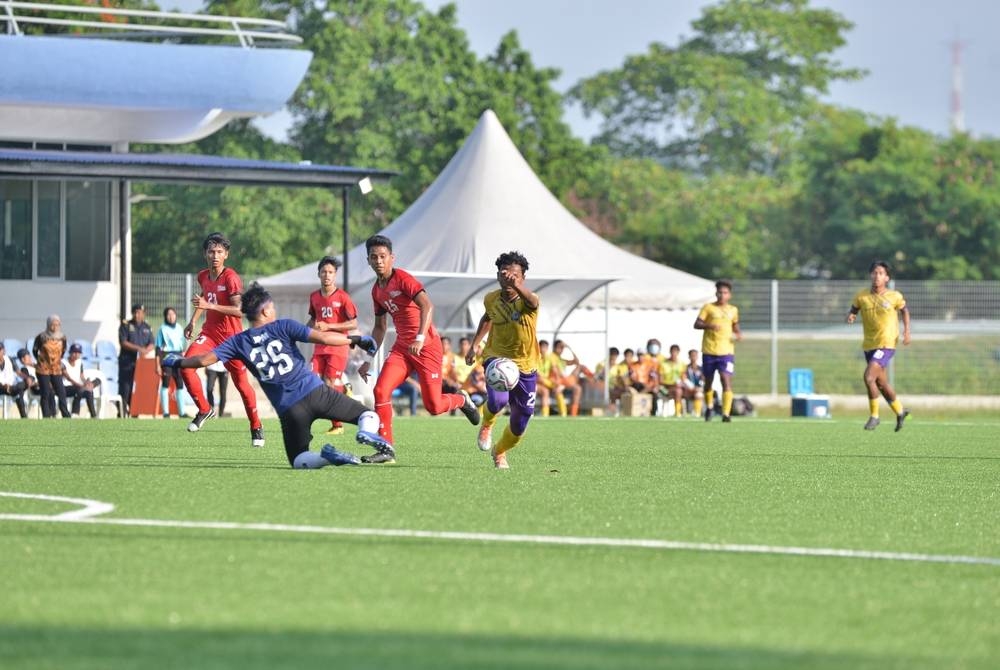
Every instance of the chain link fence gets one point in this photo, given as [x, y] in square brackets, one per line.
[802, 324]
[955, 349]
[160, 290]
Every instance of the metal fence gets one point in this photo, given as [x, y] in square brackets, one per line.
[790, 324]
[157, 291]
[801, 324]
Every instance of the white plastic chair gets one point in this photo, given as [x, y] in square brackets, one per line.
[103, 392]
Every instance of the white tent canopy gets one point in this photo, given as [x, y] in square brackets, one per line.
[486, 201]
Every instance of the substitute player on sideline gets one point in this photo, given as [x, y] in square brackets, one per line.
[510, 319]
[878, 306]
[720, 322]
[417, 347]
[331, 310]
[298, 395]
[219, 300]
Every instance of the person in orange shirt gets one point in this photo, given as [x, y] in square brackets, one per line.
[645, 377]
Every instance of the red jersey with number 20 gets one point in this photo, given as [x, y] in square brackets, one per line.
[334, 308]
[220, 291]
[396, 300]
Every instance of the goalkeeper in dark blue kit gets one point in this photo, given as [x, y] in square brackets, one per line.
[299, 396]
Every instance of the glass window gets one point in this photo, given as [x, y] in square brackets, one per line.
[15, 229]
[88, 230]
[49, 237]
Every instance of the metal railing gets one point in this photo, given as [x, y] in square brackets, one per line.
[795, 324]
[247, 31]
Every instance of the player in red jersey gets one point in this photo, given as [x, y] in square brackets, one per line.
[418, 347]
[331, 309]
[219, 300]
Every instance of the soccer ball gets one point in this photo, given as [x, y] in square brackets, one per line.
[502, 374]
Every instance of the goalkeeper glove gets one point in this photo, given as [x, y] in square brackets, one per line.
[172, 361]
[366, 342]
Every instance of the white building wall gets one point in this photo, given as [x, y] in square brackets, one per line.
[89, 310]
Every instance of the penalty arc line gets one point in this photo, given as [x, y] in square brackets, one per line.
[551, 540]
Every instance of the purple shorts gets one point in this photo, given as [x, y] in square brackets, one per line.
[880, 356]
[521, 399]
[724, 365]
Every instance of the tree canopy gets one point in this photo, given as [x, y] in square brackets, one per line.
[716, 155]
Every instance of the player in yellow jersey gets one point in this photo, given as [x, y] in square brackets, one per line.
[672, 372]
[878, 307]
[510, 320]
[721, 323]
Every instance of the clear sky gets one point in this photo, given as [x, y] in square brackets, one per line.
[904, 44]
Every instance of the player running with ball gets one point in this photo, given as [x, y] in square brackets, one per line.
[510, 319]
[299, 396]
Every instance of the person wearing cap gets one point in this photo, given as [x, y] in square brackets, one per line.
[11, 383]
[78, 387]
[49, 347]
[135, 338]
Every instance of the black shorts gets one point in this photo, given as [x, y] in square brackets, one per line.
[323, 403]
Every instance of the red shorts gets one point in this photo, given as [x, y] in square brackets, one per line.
[329, 366]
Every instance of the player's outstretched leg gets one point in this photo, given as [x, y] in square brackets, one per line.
[368, 425]
[469, 409]
[330, 453]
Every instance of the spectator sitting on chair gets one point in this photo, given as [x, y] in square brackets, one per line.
[567, 370]
[620, 380]
[49, 347]
[475, 384]
[136, 339]
[11, 382]
[671, 374]
[78, 387]
[26, 370]
[694, 382]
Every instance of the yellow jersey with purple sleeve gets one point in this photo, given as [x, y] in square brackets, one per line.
[879, 317]
[718, 342]
[512, 331]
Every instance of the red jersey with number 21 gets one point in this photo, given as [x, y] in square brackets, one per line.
[396, 300]
[220, 291]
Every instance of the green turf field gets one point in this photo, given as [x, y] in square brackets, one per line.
[296, 594]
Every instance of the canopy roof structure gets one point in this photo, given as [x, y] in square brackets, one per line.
[182, 168]
[486, 201]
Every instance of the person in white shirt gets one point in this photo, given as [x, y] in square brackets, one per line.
[11, 383]
[77, 386]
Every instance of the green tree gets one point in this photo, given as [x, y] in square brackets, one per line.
[729, 98]
[871, 189]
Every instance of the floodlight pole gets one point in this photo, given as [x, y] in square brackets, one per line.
[345, 277]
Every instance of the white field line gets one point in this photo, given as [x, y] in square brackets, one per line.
[93, 507]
